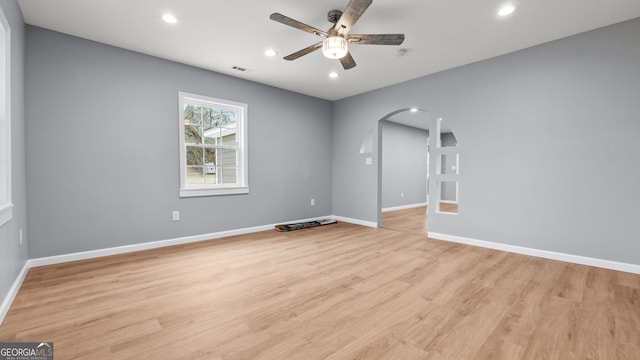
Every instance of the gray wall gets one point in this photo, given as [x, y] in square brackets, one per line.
[102, 149]
[538, 168]
[12, 255]
[102, 160]
[404, 165]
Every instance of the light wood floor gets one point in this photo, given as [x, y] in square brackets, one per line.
[335, 292]
[450, 208]
[412, 220]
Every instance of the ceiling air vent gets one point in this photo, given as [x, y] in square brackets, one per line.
[240, 68]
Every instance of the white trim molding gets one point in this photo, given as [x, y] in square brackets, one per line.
[13, 291]
[576, 259]
[58, 259]
[90, 254]
[404, 207]
[231, 190]
[355, 221]
[6, 213]
[6, 205]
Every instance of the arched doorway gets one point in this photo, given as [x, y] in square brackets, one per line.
[414, 146]
[403, 154]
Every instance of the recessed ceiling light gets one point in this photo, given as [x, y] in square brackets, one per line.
[270, 53]
[414, 109]
[169, 18]
[333, 74]
[506, 10]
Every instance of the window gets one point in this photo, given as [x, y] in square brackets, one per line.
[213, 146]
[6, 207]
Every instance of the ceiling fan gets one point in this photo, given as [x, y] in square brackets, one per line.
[337, 38]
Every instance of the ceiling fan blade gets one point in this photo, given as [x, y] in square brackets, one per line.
[304, 51]
[347, 61]
[376, 39]
[351, 14]
[297, 24]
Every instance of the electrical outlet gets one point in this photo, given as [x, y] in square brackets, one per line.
[313, 202]
[176, 215]
[402, 194]
[368, 161]
[20, 236]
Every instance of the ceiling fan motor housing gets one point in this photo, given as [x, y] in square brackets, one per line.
[333, 16]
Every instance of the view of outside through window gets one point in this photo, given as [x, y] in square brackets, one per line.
[211, 144]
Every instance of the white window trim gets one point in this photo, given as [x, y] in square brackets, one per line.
[6, 206]
[242, 187]
[6, 213]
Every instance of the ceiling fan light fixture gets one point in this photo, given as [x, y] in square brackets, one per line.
[334, 47]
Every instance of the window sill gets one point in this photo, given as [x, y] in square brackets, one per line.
[6, 213]
[214, 192]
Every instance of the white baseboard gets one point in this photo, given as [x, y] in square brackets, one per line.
[576, 259]
[13, 291]
[58, 259]
[403, 207]
[449, 201]
[355, 221]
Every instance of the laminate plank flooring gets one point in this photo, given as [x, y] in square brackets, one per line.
[334, 292]
[412, 220]
[450, 208]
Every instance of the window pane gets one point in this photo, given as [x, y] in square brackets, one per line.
[229, 139]
[192, 114]
[210, 171]
[210, 166]
[228, 128]
[210, 178]
[227, 175]
[192, 134]
[227, 158]
[194, 156]
[194, 175]
[210, 156]
[210, 135]
[227, 166]
[223, 128]
[208, 125]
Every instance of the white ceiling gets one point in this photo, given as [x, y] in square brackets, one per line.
[217, 34]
